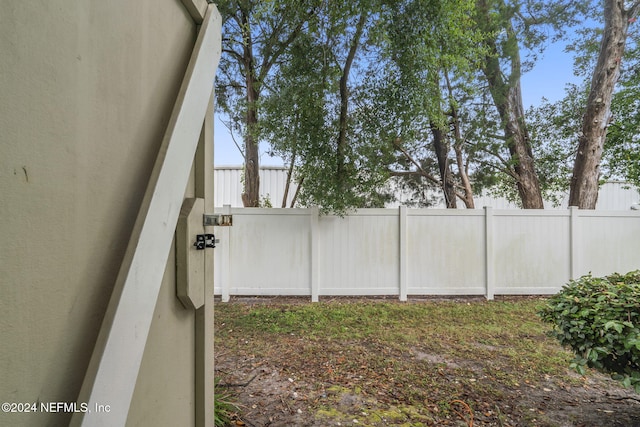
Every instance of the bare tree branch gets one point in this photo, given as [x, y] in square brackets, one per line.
[233, 138]
[422, 172]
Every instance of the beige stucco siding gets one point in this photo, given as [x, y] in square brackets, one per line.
[87, 88]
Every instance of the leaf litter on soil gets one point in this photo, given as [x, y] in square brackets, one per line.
[429, 362]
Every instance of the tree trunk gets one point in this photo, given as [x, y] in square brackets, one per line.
[289, 177]
[251, 194]
[507, 97]
[517, 136]
[295, 195]
[467, 195]
[272, 42]
[508, 100]
[597, 116]
[463, 168]
[442, 150]
[344, 101]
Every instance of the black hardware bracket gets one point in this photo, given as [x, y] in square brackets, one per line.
[205, 241]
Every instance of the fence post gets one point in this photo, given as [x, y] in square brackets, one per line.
[225, 267]
[402, 212]
[488, 254]
[314, 214]
[573, 241]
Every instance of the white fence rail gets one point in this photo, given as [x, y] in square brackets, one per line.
[420, 251]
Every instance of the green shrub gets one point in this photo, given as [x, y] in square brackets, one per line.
[599, 319]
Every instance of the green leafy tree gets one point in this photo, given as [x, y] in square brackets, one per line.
[431, 48]
[450, 105]
[517, 27]
[294, 116]
[309, 113]
[618, 16]
[557, 126]
[256, 35]
[351, 93]
[554, 128]
[622, 144]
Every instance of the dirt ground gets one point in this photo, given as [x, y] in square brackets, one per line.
[293, 383]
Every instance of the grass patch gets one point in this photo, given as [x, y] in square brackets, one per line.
[400, 362]
[224, 408]
[507, 331]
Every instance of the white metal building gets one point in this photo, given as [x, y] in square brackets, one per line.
[228, 189]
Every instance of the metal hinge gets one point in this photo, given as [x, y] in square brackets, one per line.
[217, 220]
[205, 241]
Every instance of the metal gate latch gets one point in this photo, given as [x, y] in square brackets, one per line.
[205, 241]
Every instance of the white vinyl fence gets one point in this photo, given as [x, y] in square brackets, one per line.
[268, 252]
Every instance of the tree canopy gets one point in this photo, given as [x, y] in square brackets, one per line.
[362, 98]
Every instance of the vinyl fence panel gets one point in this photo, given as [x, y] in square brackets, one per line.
[269, 253]
[359, 254]
[607, 242]
[446, 252]
[531, 251]
[420, 251]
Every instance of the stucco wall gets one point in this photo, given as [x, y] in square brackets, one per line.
[87, 89]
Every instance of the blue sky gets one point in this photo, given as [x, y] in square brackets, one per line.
[547, 79]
